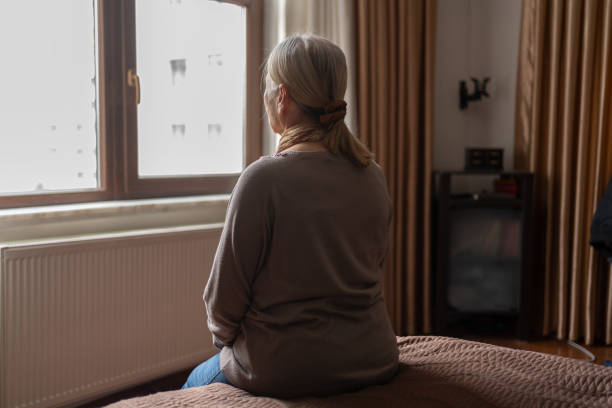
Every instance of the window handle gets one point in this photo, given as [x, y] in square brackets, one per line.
[134, 80]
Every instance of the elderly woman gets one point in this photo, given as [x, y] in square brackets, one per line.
[294, 299]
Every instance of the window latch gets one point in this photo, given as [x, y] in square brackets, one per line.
[134, 81]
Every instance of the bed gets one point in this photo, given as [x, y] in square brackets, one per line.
[437, 372]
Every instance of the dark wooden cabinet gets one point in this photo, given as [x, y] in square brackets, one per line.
[483, 254]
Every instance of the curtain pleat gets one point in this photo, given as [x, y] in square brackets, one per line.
[430, 51]
[549, 150]
[564, 134]
[580, 238]
[395, 49]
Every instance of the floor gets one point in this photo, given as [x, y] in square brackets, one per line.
[168, 383]
[549, 346]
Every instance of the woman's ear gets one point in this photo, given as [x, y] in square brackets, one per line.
[283, 98]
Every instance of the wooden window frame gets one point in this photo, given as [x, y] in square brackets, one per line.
[118, 137]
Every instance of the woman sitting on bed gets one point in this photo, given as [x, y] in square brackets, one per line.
[294, 298]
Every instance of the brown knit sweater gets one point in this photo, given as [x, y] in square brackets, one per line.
[294, 297]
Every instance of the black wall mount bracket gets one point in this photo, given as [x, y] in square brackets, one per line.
[480, 91]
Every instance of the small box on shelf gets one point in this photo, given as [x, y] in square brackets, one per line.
[478, 158]
[506, 185]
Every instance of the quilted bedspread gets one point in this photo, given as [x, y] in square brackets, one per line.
[437, 372]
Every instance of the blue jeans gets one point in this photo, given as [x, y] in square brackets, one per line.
[208, 372]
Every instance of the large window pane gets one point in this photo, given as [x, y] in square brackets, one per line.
[191, 58]
[48, 97]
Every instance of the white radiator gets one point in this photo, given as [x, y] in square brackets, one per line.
[84, 317]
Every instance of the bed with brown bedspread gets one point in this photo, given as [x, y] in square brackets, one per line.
[437, 372]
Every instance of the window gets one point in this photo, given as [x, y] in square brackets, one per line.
[127, 99]
[49, 98]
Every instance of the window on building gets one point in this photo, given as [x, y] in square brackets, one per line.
[137, 98]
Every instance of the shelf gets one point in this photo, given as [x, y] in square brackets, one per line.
[484, 260]
[471, 228]
[455, 313]
[483, 172]
[481, 203]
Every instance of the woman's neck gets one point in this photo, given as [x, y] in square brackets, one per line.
[308, 147]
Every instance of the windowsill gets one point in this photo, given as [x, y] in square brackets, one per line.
[74, 220]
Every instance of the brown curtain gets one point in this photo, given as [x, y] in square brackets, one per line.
[564, 135]
[395, 52]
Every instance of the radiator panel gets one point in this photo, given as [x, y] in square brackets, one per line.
[83, 318]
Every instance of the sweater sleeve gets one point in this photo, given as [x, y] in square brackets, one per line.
[240, 255]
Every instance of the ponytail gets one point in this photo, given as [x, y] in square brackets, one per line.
[341, 141]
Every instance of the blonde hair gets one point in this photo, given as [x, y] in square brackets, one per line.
[314, 71]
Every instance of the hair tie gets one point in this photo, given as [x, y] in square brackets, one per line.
[333, 112]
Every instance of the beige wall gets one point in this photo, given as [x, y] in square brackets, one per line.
[475, 38]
